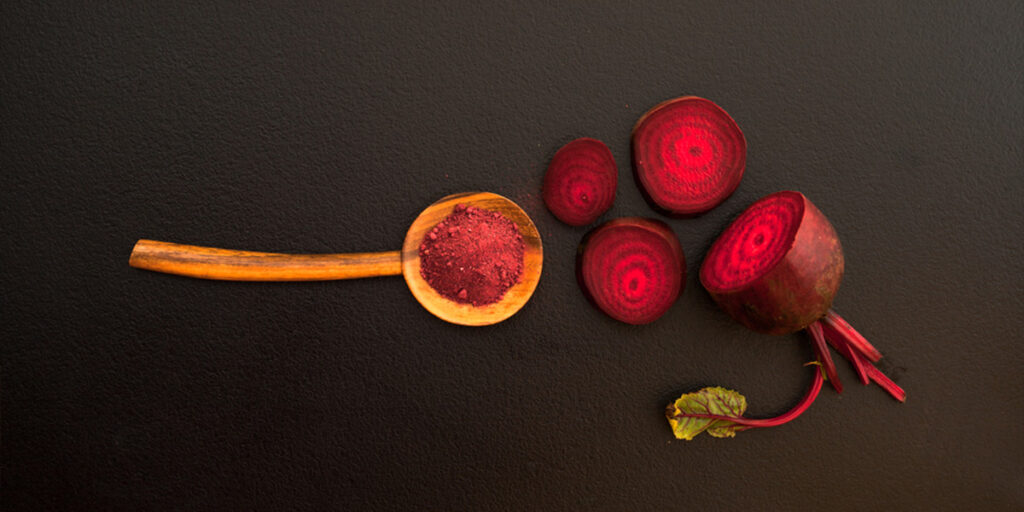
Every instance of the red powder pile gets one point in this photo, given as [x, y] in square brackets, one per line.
[473, 256]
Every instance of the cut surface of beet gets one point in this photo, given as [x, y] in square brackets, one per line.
[633, 269]
[688, 155]
[755, 242]
[580, 182]
[777, 267]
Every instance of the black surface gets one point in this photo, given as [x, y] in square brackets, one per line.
[328, 127]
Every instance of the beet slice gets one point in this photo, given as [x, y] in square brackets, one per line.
[688, 155]
[632, 268]
[580, 182]
[777, 268]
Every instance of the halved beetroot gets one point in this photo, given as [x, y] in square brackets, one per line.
[580, 182]
[777, 268]
[632, 268]
[688, 155]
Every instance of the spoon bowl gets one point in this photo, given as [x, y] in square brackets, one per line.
[467, 314]
[224, 264]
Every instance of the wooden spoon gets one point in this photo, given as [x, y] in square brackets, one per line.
[223, 264]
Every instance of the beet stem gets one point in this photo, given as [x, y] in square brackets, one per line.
[836, 340]
[824, 356]
[852, 336]
[841, 343]
[781, 419]
[886, 383]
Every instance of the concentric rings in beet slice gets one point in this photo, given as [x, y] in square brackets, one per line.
[754, 243]
[580, 182]
[633, 269]
[688, 155]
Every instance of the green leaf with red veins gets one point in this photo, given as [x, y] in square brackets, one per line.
[713, 401]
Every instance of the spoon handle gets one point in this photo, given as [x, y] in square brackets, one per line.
[228, 265]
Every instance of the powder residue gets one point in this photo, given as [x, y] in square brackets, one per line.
[473, 256]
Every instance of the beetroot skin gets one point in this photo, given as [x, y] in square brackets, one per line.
[777, 268]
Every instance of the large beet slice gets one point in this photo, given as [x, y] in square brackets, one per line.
[580, 182]
[633, 269]
[777, 267]
[688, 155]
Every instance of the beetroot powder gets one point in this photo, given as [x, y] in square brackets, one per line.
[473, 256]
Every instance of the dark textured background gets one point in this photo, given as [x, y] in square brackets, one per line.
[328, 127]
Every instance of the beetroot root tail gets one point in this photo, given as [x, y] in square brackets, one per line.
[856, 359]
[852, 337]
[886, 383]
[824, 356]
[851, 345]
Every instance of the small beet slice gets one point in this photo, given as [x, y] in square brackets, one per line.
[688, 155]
[580, 182]
[633, 269]
[777, 268]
